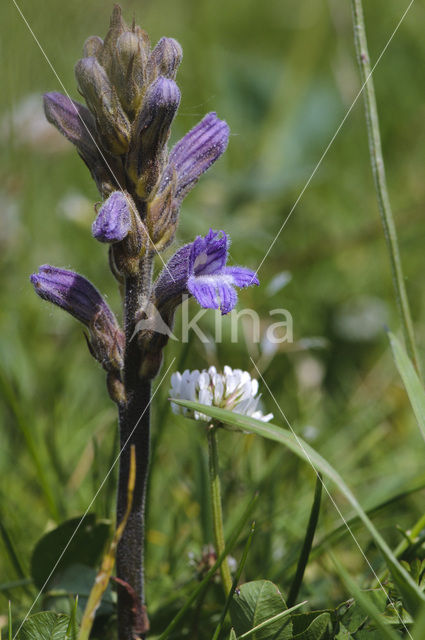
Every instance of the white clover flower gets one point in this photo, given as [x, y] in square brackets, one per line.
[233, 389]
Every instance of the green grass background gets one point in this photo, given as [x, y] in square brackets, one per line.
[283, 74]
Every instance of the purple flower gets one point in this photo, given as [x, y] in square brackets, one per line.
[73, 120]
[80, 298]
[151, 132]
[200, 269]
[77, 124]
[195, 153]
[113, 222]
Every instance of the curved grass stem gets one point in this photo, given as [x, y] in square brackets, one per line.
[216, 506]
[378, 170]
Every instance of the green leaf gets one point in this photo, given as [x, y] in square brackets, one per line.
[411, 381]
[253, 604]
[232, 635]
[66, 545]
[383, 629]
[45, 626]
[319, 629]
[77, 580]
[351, 616]
[413, 596]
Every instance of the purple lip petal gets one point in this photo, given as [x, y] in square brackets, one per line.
[242, 277]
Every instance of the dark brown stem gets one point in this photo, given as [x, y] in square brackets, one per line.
[134, 430]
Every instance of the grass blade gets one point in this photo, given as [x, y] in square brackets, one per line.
[308, 541]
[384, 630]
[410, 591]
[33, 449]
[411, 381]
[418, 631]
[229, 546]
[234, 583]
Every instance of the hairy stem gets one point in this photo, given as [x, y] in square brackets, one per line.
[134, 427]
[378, 169]
[216, 506]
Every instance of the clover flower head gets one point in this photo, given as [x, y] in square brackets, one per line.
[233, 389]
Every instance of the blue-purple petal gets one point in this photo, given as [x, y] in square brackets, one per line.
[204, 290]
[196, 152]
[242, 277]
[228, 297]
[209, 254]
[199, 268]
[72, 292]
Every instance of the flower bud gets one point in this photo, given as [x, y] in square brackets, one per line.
[93, 47]
[102, 100]
[77, 124]
[152, 131]
[165, 59]
[128, 47]
[129, 68]
[118, 223]
[80, 298]
[74, 121]
[117, 26]
[113, 221]
[162, 216]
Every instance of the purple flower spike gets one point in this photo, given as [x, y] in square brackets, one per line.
[113, 222]
[196, 152]
[75, 294]
[200, 269]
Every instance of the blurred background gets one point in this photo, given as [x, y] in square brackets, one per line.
[283, 75]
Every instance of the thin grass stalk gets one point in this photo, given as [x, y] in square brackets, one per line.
[219, 627]
[233, 538]
[379, 176]
[216, 507]
[308, 542]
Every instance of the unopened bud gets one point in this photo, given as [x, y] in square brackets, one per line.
[152, 132]
[117, 26]
[128, 46]
[113, 222]
[165, 59]
[162, 216]
[76, 295]
[118, 223]
[102, 100]
[93, 47]
[77, 124]
[74, 121]
[128, 74]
